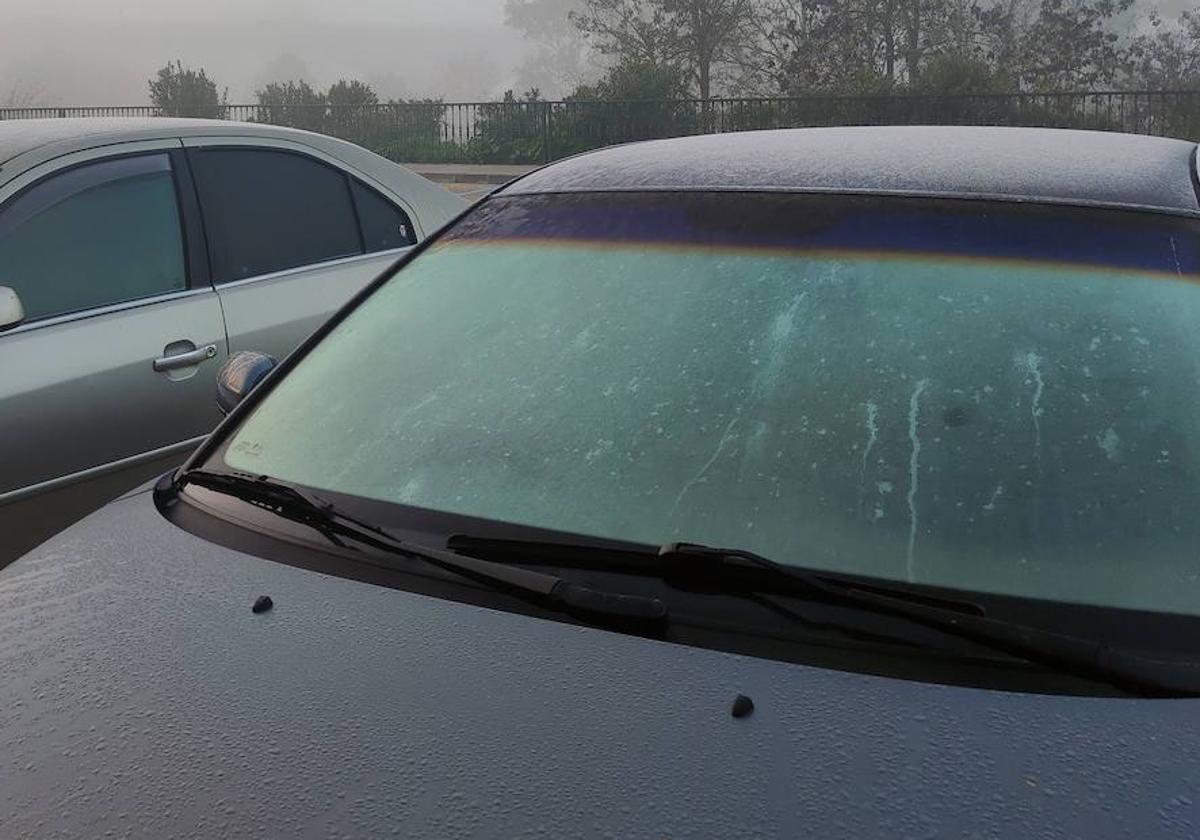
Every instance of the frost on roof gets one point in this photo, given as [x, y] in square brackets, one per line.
[1015, 162]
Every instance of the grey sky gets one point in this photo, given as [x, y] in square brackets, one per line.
[102, 52]
[387, 11]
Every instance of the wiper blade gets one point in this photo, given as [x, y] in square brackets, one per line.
[1086, 658]
[634, 612]
[1083, 657]
[665, 562]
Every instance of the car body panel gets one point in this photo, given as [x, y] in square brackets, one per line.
[142, 694]
[28, 516]
[269, 313]
[96, 374]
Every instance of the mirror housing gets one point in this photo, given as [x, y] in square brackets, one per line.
[12, 312]
[239, 375]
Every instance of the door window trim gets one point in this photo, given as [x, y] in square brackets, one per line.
[100, 311]
[336, 262]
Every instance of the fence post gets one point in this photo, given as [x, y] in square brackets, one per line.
[546, 133]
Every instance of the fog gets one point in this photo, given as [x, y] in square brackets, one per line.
[102, 52]
[56, 52]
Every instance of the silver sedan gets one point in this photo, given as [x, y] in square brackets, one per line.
[135, 255]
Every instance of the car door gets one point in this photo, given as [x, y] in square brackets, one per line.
[115, 363]
[292, 235]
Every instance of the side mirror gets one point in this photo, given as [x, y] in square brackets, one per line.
[11, 311]
[238, 376]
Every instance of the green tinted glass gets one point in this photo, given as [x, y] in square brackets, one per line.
[96, 235]
[915, 413]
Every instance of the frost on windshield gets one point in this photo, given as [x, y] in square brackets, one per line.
[992, 425]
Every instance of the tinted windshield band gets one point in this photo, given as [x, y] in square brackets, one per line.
[858, 224]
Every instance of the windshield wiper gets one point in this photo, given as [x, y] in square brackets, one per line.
[1083, 657]
[737, 570]
[632, 612]
[666, 562]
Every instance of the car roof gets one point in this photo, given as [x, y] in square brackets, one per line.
[1034, 164]
[18, 137]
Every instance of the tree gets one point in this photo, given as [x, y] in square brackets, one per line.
[1168, 56]
[636, 81]
[292, 103]
[878, 46]
[696, 35]
[353, 112]
[807, 46]
[24, 95]
[627, 30]
[559, 59]
[632, 101]
[1069, 46]
[351, 94]
[179, 91]
[1003, 27]
[957, 73]
[708, 33]
[854, 46]
[512, 130]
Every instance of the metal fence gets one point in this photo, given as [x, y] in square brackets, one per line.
[533, 132]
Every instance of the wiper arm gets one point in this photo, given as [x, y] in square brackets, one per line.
[635, 612]
[1087, 658]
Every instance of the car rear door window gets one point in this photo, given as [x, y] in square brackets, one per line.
[268, 211]
[93, 235]
[384, 225]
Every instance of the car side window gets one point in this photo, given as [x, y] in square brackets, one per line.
[93, 235]
[267, 210]
[384, 225]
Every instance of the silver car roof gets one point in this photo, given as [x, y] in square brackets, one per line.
[1036, 164]
[18, 137]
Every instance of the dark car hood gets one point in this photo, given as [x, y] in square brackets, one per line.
[141, 696]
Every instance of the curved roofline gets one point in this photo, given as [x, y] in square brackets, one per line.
[22, 137]
[1037, 165]
[941, 196]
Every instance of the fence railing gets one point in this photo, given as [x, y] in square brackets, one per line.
[533, 132]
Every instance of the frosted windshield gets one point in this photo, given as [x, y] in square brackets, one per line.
[887, 387]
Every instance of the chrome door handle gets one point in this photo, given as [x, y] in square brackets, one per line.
[189, 359]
